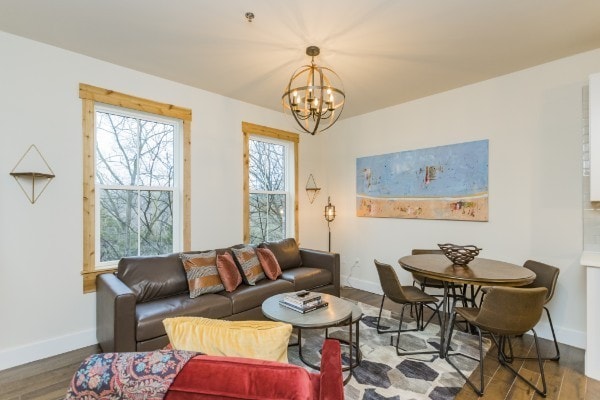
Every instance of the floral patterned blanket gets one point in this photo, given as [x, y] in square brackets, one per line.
[140, 375]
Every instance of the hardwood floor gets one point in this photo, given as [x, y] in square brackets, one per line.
[49, 378]
[45, 379]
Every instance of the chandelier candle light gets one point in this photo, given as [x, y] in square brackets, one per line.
[314, 96]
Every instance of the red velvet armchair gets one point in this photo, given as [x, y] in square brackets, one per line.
[211, 377]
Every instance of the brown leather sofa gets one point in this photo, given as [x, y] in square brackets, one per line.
[131, 303]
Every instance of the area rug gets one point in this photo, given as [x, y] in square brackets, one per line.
[382, 374]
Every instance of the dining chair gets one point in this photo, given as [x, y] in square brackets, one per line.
[545, 276]
[407, 296]
[504, 312]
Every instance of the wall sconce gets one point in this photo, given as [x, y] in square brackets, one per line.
[311, 189]
[329, 217]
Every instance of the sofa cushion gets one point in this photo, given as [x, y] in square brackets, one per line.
[153, 277]
[305, 278]
[228, 271]
[242, 378]
[249, 265]
[248, 297]
[149, 315]
[262, 340]
[201, 272]
[286, 251]
[269, 263]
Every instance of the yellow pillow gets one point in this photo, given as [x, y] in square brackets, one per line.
[263, 340]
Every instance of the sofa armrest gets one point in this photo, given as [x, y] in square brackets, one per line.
[331, 381]
[323, 259]
[115, 314]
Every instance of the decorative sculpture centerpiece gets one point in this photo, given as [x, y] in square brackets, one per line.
[459, 255]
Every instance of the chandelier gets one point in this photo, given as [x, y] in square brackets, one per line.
[314, 96]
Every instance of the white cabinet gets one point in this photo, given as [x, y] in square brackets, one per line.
[594, 122]
[591, 260]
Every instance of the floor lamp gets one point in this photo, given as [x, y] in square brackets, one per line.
[329, 216]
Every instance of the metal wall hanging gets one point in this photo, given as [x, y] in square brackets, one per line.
[311, 189]
[32, 173]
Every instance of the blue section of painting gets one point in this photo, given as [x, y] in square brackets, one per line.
[445, 171]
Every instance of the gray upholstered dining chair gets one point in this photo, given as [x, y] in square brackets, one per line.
[545, 276]
[407, 296]
[504, 312]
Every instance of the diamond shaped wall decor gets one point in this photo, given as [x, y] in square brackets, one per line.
[32, 173]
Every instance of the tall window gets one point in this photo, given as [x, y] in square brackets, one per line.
[136, 179]
[270, 205]
[137, 184]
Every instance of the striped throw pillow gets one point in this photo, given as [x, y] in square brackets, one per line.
[251, 271]
[202, 274]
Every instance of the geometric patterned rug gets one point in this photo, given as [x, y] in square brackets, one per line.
[382, 374]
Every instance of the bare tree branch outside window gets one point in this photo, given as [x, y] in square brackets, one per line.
[268, 191]
[135, 178]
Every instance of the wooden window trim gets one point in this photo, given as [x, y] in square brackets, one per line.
[90, 95]
[253, 129]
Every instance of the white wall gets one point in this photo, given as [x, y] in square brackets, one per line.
[533, 120]
[42, 309]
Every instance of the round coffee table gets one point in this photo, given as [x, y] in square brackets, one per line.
[339, 312]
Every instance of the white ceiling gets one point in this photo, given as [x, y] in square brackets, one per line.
[386, 51]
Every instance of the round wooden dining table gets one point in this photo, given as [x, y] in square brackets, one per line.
[479, 272]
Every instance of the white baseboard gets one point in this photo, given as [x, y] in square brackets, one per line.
[361, 284]
[567, 336]
[15, 356]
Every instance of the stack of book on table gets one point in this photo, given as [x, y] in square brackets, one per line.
[303, 301]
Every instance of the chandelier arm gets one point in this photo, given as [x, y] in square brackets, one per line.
[299, 122]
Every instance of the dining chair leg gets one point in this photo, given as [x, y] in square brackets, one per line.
[379, 318]
[506, 363]
[478, 390]
[435, 311]
[419, 315]
[501, 344]
[407, 353]
[557, 356]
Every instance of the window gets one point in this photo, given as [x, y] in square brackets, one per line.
[136, 179]
[136, 187]
[270, 172]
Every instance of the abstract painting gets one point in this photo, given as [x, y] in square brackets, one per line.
[445, 182]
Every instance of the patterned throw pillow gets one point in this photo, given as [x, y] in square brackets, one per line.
[269, 263]
[228, 271]
[202, 274]
[251, 271]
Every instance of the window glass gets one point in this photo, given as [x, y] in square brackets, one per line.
[269, 190]
[135, 184]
